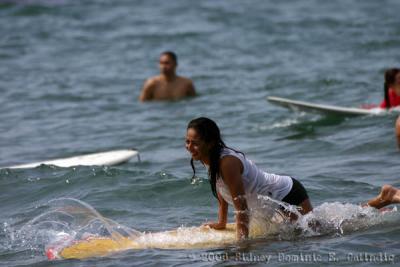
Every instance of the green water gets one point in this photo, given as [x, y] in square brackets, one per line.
[70, 76]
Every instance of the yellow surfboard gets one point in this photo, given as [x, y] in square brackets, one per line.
[181, 238]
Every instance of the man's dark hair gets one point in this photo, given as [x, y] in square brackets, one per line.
[172, 55]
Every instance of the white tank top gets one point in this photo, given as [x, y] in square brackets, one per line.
[255, 181]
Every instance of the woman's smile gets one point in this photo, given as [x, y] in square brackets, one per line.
[195, 146]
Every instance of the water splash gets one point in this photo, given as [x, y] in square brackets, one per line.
[284, 123]
[280, 124]
[195, 180]
[64, 221]
[329, 219]
[344, 218]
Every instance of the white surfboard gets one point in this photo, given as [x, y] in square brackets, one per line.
[108, 158]
[326, 109]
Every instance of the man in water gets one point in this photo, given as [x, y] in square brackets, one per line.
[167, 85]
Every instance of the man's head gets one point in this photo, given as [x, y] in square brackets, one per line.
[168, 62]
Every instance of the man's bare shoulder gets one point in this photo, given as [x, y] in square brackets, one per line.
[185, 80]
[187, 86]
[152, 81]
[148, 89]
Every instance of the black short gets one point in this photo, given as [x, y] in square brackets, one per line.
[296, 195]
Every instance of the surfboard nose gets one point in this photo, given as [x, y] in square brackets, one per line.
[51, 254]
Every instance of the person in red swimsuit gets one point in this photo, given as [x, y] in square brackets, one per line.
[391, 89]
[397, 129]
[392, 96]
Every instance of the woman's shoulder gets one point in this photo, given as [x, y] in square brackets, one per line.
[232, 152]
[231, 155]
[230, 165]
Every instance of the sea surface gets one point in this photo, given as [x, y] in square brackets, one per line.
[71, 73]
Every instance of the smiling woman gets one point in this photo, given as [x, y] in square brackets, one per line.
[238, 181]
[235, 179]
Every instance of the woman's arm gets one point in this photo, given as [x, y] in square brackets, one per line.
[222, 215]
[231, 169]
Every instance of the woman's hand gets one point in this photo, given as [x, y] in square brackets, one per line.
[215, 225]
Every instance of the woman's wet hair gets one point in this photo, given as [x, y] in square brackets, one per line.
[390, 78]
[209, 133]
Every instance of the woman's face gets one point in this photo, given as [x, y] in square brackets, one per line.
[396, 84]
[198, 149]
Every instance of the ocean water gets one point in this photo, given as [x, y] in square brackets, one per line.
[70, 76]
